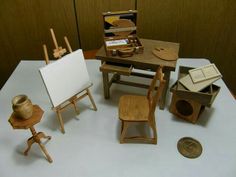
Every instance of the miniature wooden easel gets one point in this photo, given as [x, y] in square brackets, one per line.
[58, 52]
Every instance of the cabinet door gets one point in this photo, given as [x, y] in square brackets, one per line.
[90, 22]
[25, 27]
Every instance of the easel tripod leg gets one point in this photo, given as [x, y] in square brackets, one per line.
[60, 121]
[91, 99]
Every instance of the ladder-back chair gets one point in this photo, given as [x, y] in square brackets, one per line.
[141, 109]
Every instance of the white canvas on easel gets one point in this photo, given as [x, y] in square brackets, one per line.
[65, 77]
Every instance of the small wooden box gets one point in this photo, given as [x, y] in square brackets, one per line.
[189, 105]
[205, 97]
[120, 33]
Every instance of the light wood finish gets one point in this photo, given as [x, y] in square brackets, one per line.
[146, 60]
[90, 22]
[135, 108]
[45, 50]
[74, 99]
[18, 123]
[72, 102]
[67, 44]
[58, 52]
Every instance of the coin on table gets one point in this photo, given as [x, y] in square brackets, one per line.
[189, 147]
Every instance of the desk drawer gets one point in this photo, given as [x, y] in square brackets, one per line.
[122, 69]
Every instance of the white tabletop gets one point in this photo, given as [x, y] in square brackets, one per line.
[90, 147]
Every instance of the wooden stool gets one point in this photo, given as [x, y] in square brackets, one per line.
[18, 123]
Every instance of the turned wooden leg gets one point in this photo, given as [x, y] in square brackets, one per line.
[29, 143]
[60, 120]
[45, 152]
[36, 139]
[91, 99]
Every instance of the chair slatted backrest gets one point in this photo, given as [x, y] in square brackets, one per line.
[154, 94]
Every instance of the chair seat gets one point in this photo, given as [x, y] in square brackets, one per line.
[133, 108]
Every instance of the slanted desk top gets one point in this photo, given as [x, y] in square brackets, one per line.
[146, 60]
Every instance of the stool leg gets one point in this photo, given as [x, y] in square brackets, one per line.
[45, 152]
[125, 126]
[29, 143]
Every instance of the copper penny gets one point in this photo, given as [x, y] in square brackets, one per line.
[189, 147]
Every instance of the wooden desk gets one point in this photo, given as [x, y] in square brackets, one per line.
[144, 61]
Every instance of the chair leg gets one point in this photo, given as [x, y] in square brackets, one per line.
[91, 99]
[154, 130]
[124, 128]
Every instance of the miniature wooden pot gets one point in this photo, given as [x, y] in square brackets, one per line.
[22, 106]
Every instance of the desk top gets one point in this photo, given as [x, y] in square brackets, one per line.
[147, 59]
[91, 148]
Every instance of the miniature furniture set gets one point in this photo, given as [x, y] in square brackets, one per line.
[66, 80]
[123, 53]
[136, 108]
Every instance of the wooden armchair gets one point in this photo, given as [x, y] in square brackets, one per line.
[141, 109]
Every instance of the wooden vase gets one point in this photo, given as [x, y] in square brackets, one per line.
[22, 106]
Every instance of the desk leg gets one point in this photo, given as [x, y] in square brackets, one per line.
[106, 85]
[163, 97]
